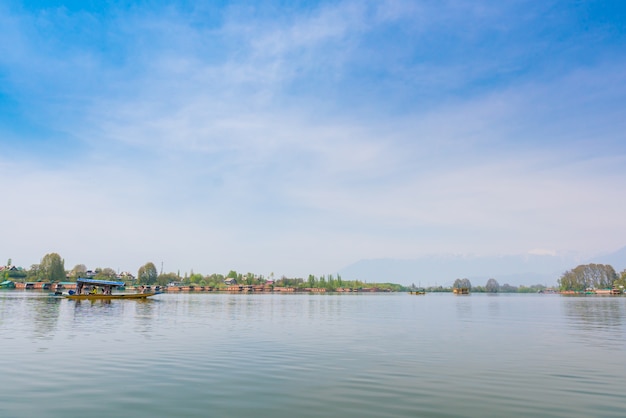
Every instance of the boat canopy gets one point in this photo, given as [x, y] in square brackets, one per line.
[97, 282]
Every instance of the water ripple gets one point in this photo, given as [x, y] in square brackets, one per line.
[198, 355]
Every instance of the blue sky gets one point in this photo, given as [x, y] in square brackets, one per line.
[300, 137]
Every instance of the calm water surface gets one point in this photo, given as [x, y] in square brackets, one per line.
[378, 355]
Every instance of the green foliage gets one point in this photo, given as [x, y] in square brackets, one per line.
[331, 283]
[51, 268]
[166, 278]
[32, 272]
[621, 281]
[78, 271]
[147, 274]
[249, 279]
[438, 289]
[492, 286]
[531, 289]
[215, 280]
[286, 282]
[393, 287]
[18, 274]
[196, 279]
[596, 276]
[105, 274]
[507, 288]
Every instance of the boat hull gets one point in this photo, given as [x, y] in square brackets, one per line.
[113, 296]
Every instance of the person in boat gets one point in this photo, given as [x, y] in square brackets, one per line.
[94, 290]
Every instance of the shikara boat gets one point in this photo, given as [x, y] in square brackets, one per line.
[92, 289]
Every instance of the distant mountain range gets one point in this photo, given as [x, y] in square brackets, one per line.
[442, 270]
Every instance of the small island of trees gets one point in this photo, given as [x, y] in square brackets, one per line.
[591, 277]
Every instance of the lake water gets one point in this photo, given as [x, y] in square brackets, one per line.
[348, 355]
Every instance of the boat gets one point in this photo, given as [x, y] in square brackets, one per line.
[94, 289]
[418, 292]
[461, 291]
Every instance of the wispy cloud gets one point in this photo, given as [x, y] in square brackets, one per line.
[261, 138]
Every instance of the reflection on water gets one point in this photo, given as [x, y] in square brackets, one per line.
[398, 355]
[45, 317]
[463, 305]
[596, 312]
[597, 320]
[144, 314]
[494, 304]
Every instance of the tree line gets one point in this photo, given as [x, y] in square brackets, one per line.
[52, 269]
[491, 286]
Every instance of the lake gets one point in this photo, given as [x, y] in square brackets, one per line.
[313, 355]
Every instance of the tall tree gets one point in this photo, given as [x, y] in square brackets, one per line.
[492, 286]
[147, 274]
[196, 278]
[621, 281]
[78, 271]
[52, 268]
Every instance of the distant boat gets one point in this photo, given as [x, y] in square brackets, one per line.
[418, 292]
[92, 289]
[461, 291]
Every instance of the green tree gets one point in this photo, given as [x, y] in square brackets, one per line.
[492, 286]
[106, 274]
[78, 271]
[507, 288]
[33, 272]
[621, 281]
[147, 274]
[196, 278]
[249, 279]
[597, 276]
[322, 282]
[166, 278]
[52, 268]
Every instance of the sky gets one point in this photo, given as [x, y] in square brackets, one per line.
[298, 137]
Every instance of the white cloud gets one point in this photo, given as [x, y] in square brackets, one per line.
[208, 149]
